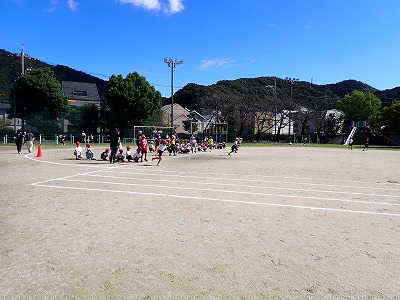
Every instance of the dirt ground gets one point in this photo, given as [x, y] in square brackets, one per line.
[287, 222]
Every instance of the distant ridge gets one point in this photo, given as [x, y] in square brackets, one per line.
[10, 68]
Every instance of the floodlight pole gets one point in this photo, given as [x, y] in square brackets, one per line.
[172, 64]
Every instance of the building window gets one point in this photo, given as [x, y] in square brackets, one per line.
[79, 93]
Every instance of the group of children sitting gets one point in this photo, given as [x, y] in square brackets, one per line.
[78, 152]
[185, 147]
[121, 156]
[135, 157]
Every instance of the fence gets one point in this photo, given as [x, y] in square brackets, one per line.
[57, 139]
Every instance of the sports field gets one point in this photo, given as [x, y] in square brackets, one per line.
[285, 222]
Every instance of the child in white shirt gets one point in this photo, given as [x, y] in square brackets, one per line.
[78, 151]
[137, 155]
[128, 153]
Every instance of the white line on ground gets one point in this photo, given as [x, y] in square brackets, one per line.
[186, 197]
[230, 191]
[238, 178]
[245, 186]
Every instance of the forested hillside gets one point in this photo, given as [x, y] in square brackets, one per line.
[10, 69]
[194, 96]
[299, 93]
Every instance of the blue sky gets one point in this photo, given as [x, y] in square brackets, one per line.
[323, 41]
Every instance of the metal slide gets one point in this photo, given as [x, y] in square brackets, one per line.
[353, 131]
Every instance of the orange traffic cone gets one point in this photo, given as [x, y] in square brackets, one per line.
[39, 151]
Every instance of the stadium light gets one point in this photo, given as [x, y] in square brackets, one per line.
[172, 64]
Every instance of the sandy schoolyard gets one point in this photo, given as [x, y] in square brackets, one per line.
[285, 222]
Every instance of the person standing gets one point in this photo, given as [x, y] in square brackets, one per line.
[19, 139]
[29, 140]
[350, 144]
[114, 144]
[210, 143]
[139, 136]
[366, 145]
[157, 139]
[193, 144]
[172, 143]
[143, 148]
[83, 137]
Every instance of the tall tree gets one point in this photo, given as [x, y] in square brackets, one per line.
[39, 90]
[391, 116]
[131, 100]
[360, 107]
[43, 121]
[90, 118]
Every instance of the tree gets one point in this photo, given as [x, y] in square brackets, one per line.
[44, 121]
[37, 91]
[333, 124]
[5, 123]
[391, 116]
[131, 100]
[360, 107]
[90, 118]
[86, 118]
[74, 118]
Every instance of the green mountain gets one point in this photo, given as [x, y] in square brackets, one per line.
[10, 69]
[301, 92]
[298, 93]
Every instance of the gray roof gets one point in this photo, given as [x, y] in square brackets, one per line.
[80, 91]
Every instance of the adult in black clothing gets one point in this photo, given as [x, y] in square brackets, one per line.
[114, 144]
[19, 139]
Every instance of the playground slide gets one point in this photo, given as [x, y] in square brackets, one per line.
[353, 131]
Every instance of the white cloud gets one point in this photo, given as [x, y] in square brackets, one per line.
[52, 8]
[215, 63]
[172, 7]
[175, 6]
[146, 4]
[72, 4]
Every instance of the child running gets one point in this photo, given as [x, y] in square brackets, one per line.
[235, 145]
[161, 150]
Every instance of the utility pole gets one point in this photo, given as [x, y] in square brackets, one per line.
[172, 64]
[291, 80]
[273, 87]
